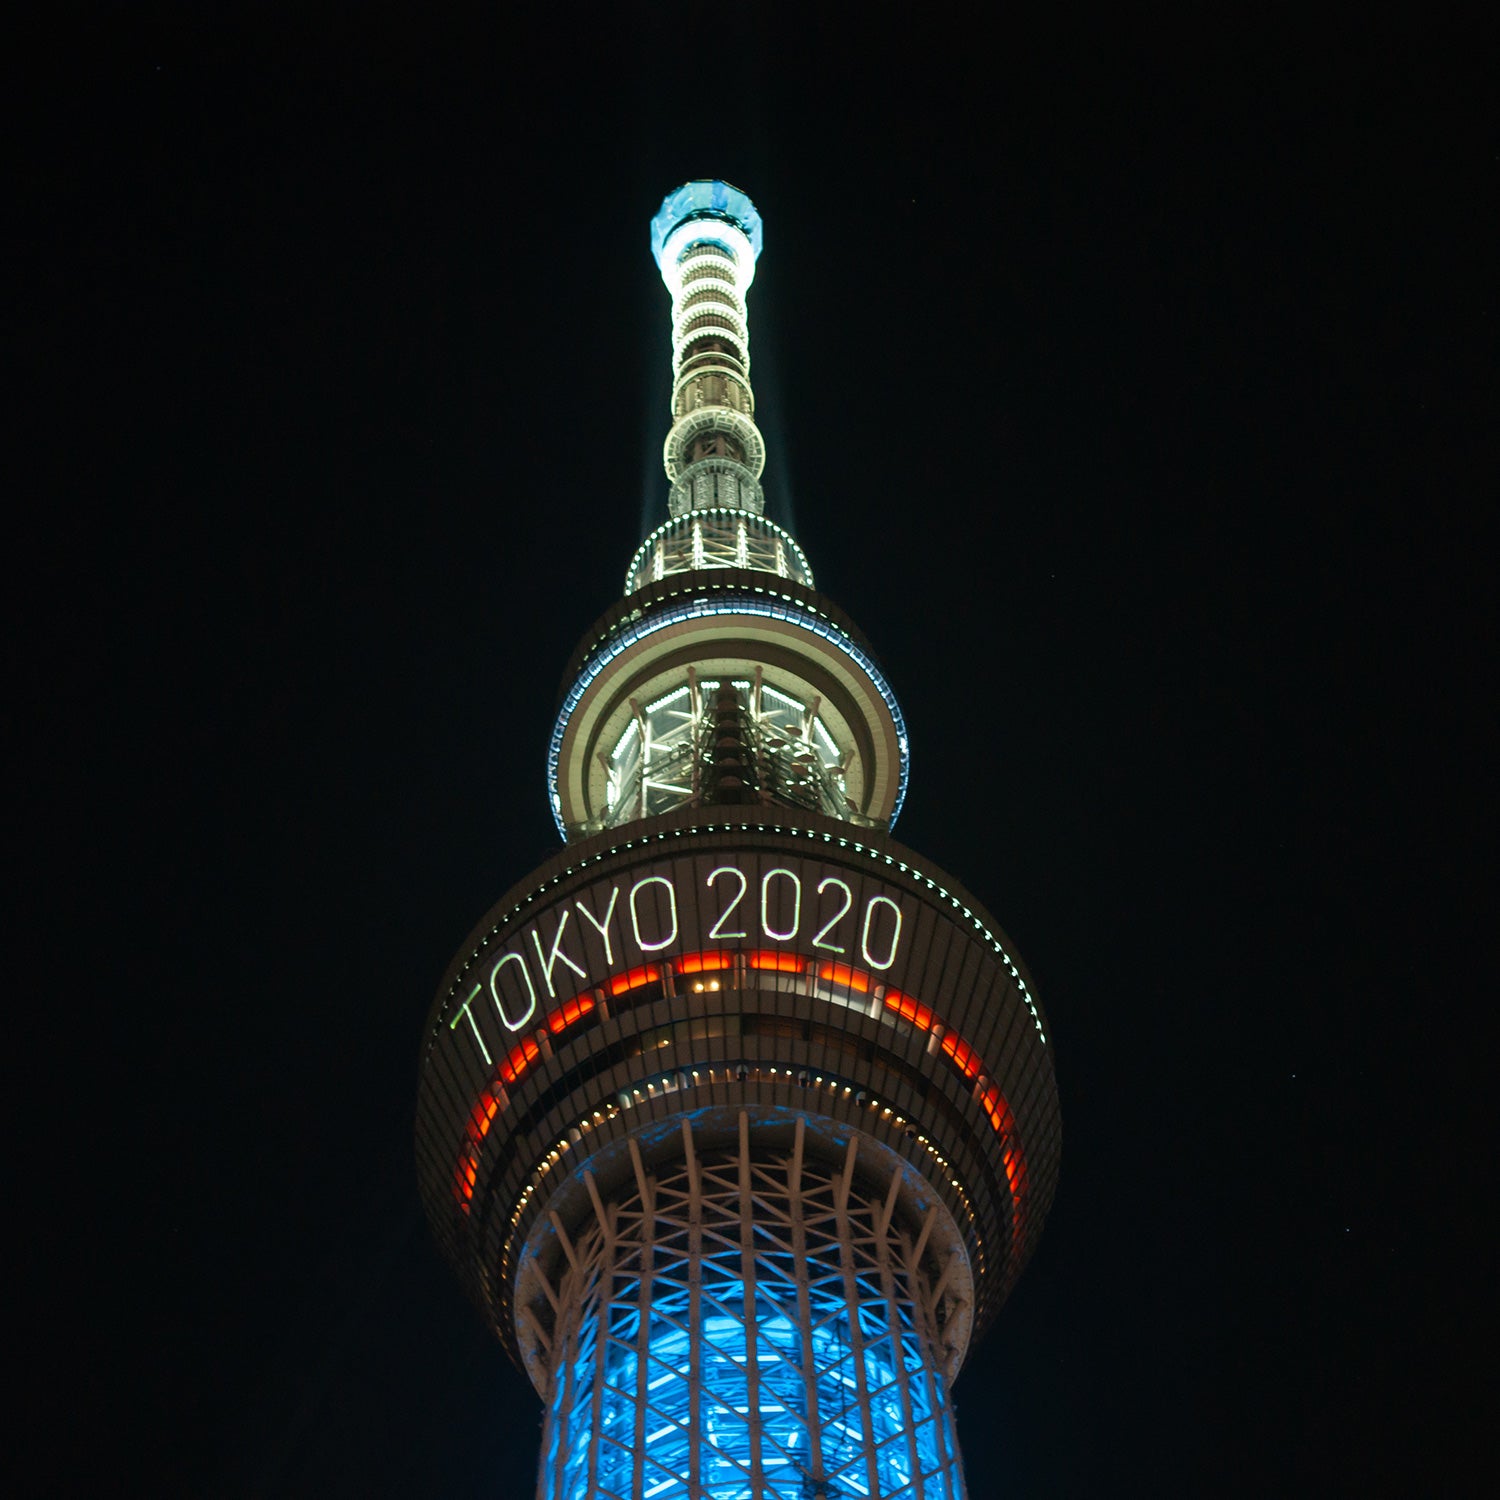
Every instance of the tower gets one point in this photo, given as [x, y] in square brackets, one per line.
[737, 1119]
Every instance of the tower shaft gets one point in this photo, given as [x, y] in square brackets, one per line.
[749, 1323]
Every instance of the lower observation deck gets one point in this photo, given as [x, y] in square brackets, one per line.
[738, 975]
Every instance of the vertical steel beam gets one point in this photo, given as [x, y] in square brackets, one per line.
[851, 1302]
[643, 1330]
[796, 1211]
[747, 1274]
[893, 1300]
[604, 1301]
[695, 1315]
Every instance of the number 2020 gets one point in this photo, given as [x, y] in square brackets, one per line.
[834, 901]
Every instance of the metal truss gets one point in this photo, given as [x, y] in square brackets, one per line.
[716, 537]
[666, 756]
[747, 1325]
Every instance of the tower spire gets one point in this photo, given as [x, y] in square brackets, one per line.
[706, 239]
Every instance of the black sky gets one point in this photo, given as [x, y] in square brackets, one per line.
[1135, 393]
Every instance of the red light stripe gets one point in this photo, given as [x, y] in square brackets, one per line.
[635, 979]
[909, 1009]
[519, 1060]
[959, 1052]
[576, 1008]
[702, 963]
[483, 1114]
[963, 1056]
[464, 1178]
[855, 979]
[780, 963]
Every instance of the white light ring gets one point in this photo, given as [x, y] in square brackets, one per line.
[715, 231]
[678, 285]
[682, 498]
[722, 289]
[723, 292]
[734, 376]
[708, 419]
[730, 316]
[683, 524]
[682, 556]
[701, 248]
[692, 272]
[720, 331]
[684, 370]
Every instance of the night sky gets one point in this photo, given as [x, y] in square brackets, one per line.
[1134, 393]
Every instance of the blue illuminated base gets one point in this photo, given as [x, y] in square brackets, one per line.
[744, 1326]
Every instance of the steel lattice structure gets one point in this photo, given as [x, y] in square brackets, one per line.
[736, 1119]
[716, 536]
[750, 1324]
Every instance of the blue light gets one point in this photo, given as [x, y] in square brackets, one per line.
[697, 1359]
[708, 200]
[858, 1400]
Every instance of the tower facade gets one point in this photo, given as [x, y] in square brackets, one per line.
[737, 1119]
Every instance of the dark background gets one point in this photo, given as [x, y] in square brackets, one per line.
[1134, 391]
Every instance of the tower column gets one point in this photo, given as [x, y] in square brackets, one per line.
[769, 1353]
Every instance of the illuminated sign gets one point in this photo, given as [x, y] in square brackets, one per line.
[690, 924]
[888, 1003]
[680, 906]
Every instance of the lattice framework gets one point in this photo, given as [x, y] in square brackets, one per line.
[663, 759]
[717, 536]
[749, 1325]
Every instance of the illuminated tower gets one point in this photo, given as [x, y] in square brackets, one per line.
[737, 1119]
